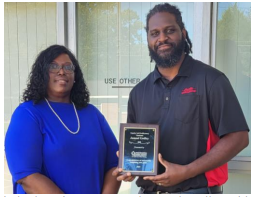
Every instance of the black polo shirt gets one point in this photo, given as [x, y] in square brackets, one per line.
[193, 111]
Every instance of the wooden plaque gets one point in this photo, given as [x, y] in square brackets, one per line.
[138, 148]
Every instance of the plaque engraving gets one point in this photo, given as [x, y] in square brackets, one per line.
[139, 148]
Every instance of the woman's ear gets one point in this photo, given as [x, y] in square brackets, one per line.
[184, 33]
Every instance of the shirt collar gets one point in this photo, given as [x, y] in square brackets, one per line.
[157, 74]
[186, 67]
[184, 70]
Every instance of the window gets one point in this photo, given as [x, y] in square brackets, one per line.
[233, 52]
[112, 50]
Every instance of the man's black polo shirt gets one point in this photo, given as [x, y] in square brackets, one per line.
[193, 111]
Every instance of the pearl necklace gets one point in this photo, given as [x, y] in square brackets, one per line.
[78, 122]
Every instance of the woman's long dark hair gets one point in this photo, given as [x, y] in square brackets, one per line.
[39, 77]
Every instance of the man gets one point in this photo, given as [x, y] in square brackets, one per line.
[201, 122]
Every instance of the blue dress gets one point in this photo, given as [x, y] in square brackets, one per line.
[37, 142]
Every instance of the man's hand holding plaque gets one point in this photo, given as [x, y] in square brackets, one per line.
[122, 177]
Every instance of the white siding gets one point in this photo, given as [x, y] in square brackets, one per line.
[28, 29]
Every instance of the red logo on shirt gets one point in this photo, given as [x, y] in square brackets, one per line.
[188, 90]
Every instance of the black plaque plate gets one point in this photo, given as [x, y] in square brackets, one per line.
[139, 148]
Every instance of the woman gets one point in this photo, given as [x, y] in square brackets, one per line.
[57, 142]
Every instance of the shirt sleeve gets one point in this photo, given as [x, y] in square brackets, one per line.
[111, 144]
[130, 110]
[23, 144]
[225, 110]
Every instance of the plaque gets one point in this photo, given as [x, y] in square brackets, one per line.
[138, 148]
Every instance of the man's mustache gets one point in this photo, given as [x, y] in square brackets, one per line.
[172, 44]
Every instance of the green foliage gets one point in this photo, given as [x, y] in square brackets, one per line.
[235, 25]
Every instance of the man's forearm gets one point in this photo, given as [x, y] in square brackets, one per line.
[39, 184]
[227, 147]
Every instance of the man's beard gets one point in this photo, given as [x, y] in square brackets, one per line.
[169, 59]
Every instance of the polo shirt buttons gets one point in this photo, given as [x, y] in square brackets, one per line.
[167, 94]
[166, 102]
